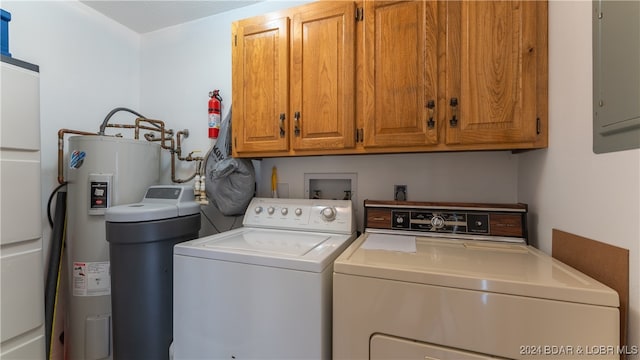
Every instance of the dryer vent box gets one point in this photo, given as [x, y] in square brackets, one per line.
[336, 186]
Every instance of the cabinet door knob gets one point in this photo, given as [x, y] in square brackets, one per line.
[282, 132]
[296, 123]
[431, 106]
[454, 112]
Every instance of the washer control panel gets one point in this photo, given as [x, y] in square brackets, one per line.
[317, 215]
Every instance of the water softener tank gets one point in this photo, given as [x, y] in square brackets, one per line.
[103, 171]
[141, 238]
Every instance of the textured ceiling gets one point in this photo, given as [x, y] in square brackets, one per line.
[146, 16]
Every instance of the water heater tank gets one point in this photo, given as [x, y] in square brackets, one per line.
[103, 171]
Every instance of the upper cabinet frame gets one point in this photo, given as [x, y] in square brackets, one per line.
[372, 76]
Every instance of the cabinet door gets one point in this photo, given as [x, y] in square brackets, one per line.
[322, 76]
[260, 74]
[401, 72]
[492, 82]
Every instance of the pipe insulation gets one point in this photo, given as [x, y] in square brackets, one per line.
[54, 269]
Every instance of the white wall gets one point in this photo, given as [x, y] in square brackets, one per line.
[457, 177]
[181, 64]
[568, 186]
[88, 65]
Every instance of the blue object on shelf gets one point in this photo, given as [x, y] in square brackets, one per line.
[4, 32]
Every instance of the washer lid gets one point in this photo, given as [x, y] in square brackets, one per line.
[278, 244]
[477, 265]
[289, 249]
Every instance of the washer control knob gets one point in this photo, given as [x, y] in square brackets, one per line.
[284, 211]
[298, 212]
[271, 210]
[258, 209]
[399, 219]
[328, 214]
[478, 223]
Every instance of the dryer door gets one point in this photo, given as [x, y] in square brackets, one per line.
[390, 347]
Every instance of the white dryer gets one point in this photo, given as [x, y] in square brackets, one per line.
[457, 281]
[262, 291]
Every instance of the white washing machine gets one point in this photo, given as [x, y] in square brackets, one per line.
[457, 281]
[262, 291]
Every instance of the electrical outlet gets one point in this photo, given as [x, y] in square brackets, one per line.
[400, 192]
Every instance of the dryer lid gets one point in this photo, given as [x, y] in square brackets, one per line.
[506, 268]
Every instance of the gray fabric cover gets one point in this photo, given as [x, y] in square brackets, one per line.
[229, 183]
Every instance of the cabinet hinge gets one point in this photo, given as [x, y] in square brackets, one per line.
[359, 14]
[538, 126]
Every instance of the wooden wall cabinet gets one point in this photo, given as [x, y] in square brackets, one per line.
[260, 80]
[400, 73]
[294, 81]
[391, 76]
[495, 73]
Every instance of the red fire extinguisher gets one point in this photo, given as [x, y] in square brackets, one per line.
[215, 103]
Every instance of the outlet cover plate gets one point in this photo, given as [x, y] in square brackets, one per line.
[400, 192]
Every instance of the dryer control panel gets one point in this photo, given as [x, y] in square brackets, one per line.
[441, 221]
[497, 220]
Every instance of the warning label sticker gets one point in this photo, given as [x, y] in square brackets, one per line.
[91, 278]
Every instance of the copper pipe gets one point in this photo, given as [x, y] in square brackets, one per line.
[140, 127]
[171, 141]
[150, 137]
[173, 173]
[159, 126]
[166, 142]
[126, 126]
[180, 133]
[189, 157]
[173, 167]
[61, 133]
[168, 132]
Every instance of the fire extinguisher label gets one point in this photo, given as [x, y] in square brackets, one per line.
[91, 278]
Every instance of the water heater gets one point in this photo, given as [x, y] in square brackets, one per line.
[103, 171]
